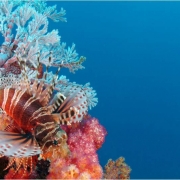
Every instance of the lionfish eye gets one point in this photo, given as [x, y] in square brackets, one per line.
[55, 142]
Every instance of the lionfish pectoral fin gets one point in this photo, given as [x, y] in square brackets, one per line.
[66, 117]
[77, 99]
[57, 101]
[57, 118]
[18, 145]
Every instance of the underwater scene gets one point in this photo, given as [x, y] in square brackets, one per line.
[89, 89]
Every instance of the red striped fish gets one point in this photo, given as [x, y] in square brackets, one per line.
[36, 116]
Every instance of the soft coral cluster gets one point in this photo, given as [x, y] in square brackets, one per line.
[84, 139]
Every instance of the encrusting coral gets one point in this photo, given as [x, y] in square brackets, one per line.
[46, 130]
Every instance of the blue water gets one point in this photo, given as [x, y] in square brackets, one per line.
[133, 61]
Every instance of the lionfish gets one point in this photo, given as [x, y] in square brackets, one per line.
[36, 112]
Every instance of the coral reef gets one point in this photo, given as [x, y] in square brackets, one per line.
[46, 130]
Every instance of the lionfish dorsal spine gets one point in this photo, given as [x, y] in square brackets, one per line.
[56, 102]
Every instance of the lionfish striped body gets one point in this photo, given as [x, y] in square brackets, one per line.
[36, 117]
[26, 111]
[20, 106]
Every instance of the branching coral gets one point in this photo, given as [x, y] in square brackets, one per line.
[24, 28]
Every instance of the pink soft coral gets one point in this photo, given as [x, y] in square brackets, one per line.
[83, 140]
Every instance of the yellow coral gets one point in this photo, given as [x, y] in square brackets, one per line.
[117, 169]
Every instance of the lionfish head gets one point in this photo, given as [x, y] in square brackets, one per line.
[50, 136]
[58, 137]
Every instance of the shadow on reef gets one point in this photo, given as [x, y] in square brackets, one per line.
[42, 168]
[3, 165]
[41, 172]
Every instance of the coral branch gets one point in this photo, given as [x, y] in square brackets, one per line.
[30, 19]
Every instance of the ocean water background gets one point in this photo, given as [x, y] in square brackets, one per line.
[133, 61]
